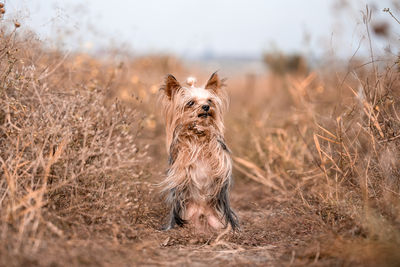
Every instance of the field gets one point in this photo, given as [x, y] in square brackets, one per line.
[82, 149]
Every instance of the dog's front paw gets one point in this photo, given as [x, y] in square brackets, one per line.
[166, 227]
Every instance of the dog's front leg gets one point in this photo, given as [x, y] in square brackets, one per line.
[223, 205]
[175, 216]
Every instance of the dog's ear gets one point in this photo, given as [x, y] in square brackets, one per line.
[214, 83]
[170, 85]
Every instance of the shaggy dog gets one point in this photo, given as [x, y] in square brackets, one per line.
[200, 167]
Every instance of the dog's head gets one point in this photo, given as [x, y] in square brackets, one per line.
[199, 107]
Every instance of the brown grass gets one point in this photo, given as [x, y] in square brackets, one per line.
[68, 156]
[82, 145]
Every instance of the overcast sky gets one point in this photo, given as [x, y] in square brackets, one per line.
[197, 27]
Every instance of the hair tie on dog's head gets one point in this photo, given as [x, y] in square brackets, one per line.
[191, 81]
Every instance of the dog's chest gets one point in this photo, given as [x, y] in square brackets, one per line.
[201, 173]
[206, 166]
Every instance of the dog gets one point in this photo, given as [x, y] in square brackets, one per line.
[199, 176]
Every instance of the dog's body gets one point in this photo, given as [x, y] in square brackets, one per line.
[200, 166]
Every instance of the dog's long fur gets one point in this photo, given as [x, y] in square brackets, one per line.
[200, 166]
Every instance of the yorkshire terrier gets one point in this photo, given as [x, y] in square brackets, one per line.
[199, 176]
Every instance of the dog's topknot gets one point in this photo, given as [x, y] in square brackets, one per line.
[191, 81]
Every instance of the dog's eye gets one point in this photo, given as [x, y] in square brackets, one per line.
[209, 101]
[190, 103]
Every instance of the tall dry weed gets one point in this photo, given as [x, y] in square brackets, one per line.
[70, 158]
[335, 147]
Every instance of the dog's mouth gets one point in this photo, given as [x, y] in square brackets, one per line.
[204, 115]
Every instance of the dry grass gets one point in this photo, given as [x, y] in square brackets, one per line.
[335, 146]
[81, 143]
[70, 160]
[337, 150]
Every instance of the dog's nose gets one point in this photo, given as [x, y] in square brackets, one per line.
[206, 107]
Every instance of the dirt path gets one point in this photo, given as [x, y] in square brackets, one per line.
[272, 232]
